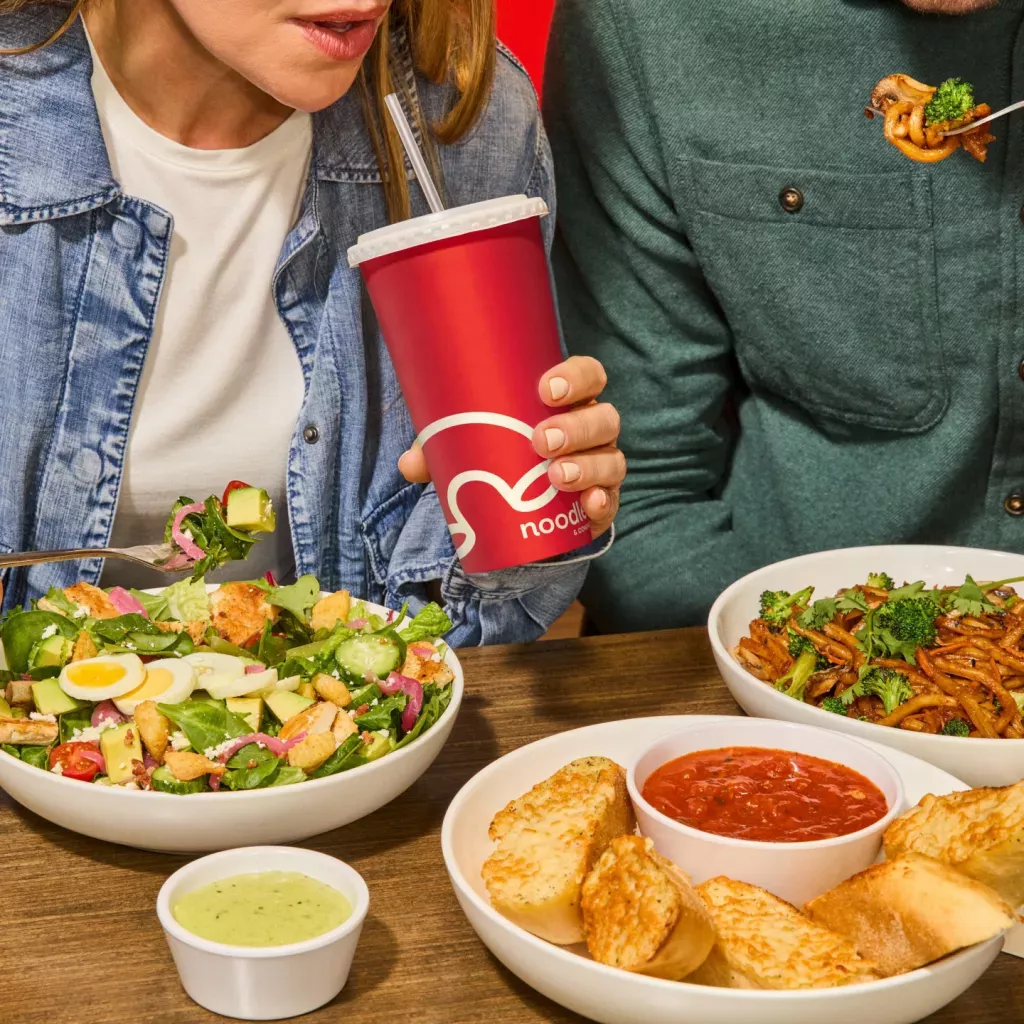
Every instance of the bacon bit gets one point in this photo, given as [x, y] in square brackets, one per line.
[252, 763]
[142, 773]
[129, 738]
[362, 709]
[367, 736]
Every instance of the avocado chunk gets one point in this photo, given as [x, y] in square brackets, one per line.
[50, 699]
[53, 652]
[164, 782]
[250, 508]
[249, 708]
[5, 709]
[120, 746]
[380, 746]
[286, 704]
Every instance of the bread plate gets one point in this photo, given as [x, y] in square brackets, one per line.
[206, 822]
[569, 977]
[979, 762]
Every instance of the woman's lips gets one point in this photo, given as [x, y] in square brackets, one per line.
[340, 41]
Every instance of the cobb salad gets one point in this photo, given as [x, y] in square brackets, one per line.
[187, 691]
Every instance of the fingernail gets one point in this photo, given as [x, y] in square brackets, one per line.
[600, 499]
[570, 472]
[555, 438]
[559, 387]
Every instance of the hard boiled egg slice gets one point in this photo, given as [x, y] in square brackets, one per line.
[221, 675]
[267, 683]
[109, 675]
[168, 681]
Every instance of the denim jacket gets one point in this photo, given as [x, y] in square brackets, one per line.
[81, 268]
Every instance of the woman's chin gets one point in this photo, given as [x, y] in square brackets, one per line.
[309, 92]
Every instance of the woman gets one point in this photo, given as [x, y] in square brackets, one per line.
[179, 183]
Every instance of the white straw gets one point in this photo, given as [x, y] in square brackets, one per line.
[412, 151]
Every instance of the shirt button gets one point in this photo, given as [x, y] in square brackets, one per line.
[1014, 504]
[311, 435]
[791, 199]
[1020, 369]
[1022, 213]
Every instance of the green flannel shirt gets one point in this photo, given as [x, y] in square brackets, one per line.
[813, 341]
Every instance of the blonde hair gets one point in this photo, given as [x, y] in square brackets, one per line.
[450, 40]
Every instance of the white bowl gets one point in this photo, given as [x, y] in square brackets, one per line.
[796, 872]
[569, 977]
[217, 821]
[264, 982]
[979, 762]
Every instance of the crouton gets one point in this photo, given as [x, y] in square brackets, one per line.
[332, 689]
[186, 766]
[331, 610]
[549, 839]
[315, 719]
[640, 913]
[764, 942]
[980, 832]
[910, 911]
[19, 693]
[27, 732]
[311, 752]
[85, 647]
[154, 729]
[92, 599]
[344, 726]
[420, 666]
[239, 612]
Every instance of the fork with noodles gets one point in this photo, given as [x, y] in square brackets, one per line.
[917, 116]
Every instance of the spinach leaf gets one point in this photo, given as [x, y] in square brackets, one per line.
[116, 630]
[384, 715]
[264, 763]
[205, 725]
[38, 757]
[71, 721]
[338, 761]
[429, 623]
[155, 604]
[7, 748]
[435, 702]
[286, 775]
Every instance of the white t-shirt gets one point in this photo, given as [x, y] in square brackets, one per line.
[222, 387]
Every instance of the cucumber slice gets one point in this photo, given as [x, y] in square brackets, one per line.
[367, 653]
[165, 782]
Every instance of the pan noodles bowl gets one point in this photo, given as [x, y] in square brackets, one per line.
[979, 762]
[206, 822]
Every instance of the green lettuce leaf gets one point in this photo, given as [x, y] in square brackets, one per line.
[428, 624]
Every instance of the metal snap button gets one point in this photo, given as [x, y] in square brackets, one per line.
[1014, 504]
[311, 435]
[791, 199]
[1020, 370]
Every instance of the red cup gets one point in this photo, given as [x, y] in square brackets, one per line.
[464, 302]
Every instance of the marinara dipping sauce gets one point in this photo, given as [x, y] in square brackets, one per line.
[774, 796]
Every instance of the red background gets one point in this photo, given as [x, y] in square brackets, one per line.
[523, 28]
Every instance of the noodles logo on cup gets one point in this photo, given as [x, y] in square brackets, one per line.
[508, 503]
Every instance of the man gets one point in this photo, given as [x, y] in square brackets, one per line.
[813, 341]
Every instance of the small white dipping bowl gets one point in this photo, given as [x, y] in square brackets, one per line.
[796, 872]
[264, 982]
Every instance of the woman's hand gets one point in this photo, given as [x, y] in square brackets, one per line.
[581, 442]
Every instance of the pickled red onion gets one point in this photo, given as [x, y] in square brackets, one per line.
[397, 683]
[277, 747]
[105, 712]
[269, 577]
[189, 546]
[251, 670]
[126, 604]
[355, 624]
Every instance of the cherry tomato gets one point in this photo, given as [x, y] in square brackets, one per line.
[235, 485]
[78, 760]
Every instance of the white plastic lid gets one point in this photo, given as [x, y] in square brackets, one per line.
[460, 220]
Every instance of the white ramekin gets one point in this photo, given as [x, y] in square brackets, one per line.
[264, 982]
[796, 872]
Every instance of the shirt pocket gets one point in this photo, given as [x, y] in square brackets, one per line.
[828, 283]
[381, 530]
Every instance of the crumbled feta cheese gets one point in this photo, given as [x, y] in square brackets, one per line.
[214, 752]
[50, 630]
[92, 734]
[57, 769]
[179, 741]
[36, 717]
[130, 785]
[79, 612]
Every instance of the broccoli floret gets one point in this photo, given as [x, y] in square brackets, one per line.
[794, 681]
[798, 644]
[891, 687]
[956, 727]
[907, 623]
[952, 99]
[776, 605]
[881, 580]
[833, 704]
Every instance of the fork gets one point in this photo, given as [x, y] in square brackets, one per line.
[162, 557]
[872, 112]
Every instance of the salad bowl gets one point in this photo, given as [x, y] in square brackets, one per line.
[979, 762]
[204, 822]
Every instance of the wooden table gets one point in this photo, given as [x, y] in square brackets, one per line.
[79, 938]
